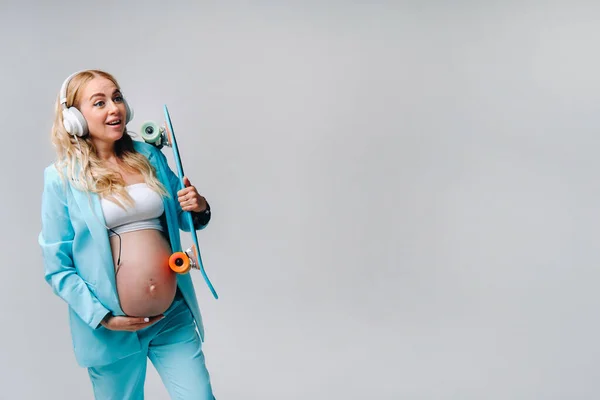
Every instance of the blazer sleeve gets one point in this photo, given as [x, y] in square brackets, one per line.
[200, 220]
[56, 241]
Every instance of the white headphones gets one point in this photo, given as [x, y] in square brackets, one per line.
[73, 121]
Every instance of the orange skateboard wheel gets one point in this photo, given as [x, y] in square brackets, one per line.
[179, 262]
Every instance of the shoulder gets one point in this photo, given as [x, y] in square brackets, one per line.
[147, 150]
[144, 148]
[51, 174]
[55, 183]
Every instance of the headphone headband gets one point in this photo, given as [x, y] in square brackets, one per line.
[63, 89]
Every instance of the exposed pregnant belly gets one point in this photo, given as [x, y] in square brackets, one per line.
[145, 284]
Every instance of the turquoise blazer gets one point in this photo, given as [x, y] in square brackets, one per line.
[78, 262]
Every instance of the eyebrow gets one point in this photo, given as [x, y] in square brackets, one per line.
[102, 94]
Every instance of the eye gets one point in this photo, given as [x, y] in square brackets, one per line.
[118, 99]
[99, 103]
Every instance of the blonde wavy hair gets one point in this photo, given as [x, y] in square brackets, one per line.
[79, 159]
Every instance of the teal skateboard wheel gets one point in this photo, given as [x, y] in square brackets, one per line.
[151, 132]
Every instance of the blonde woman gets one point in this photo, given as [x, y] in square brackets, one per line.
[111, 217]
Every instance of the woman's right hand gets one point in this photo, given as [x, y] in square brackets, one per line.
[132, 324]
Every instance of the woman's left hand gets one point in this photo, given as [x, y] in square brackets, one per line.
[190, 199]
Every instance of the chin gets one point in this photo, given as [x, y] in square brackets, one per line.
[117, 136]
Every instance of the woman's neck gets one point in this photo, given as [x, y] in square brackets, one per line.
[106, 152]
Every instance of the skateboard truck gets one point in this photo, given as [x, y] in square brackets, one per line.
[183, 261]
[154, 134]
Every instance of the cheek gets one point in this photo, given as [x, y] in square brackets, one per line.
[95, 119]
[95, 122]
[123, 111]
[88, 114]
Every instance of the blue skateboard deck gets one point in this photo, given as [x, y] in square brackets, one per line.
[180, 262]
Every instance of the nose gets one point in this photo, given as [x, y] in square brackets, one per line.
[113, 107]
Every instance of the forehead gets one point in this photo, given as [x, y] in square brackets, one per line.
[98, 84]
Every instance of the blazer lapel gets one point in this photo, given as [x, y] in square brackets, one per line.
[91, 212]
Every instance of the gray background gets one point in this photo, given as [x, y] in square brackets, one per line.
[405, 193]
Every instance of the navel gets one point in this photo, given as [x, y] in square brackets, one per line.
[152, 287]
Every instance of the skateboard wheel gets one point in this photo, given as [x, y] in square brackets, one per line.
[179, 262]
[150, 132]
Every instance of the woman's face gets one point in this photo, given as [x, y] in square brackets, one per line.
[104, 110]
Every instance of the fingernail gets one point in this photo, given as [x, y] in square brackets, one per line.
[146, 319]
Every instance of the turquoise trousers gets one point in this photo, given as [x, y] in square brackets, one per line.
[174, 347]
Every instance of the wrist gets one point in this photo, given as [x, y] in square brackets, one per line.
[201, 217]
[106, 318]
[205, 210]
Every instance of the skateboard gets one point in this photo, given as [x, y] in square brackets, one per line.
[182, 261]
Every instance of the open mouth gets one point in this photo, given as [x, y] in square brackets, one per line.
[113, 123]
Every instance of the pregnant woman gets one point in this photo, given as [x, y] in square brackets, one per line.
[111, 217]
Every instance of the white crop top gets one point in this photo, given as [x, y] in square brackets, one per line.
[144, 214]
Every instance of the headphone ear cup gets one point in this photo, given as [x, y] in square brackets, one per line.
[74, 122]
[129, 115]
